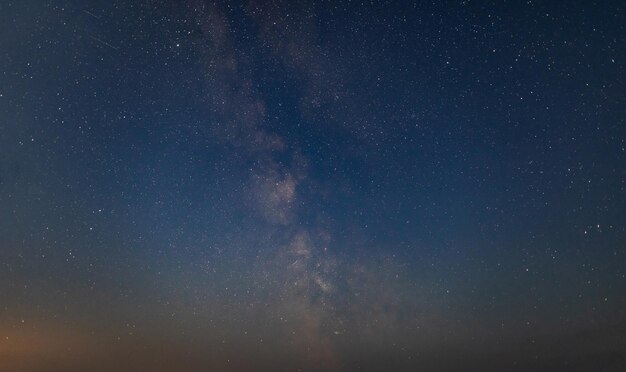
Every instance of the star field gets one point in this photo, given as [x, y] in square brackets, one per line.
[315, 185]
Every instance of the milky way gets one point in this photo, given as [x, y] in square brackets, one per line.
[316, 186]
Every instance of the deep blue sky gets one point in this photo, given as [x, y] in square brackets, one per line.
[188, 185]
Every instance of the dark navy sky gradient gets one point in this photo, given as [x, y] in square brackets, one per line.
[279, 185]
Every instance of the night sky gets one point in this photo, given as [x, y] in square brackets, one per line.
[315, 186]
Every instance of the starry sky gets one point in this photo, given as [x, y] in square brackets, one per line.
[320, 186]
